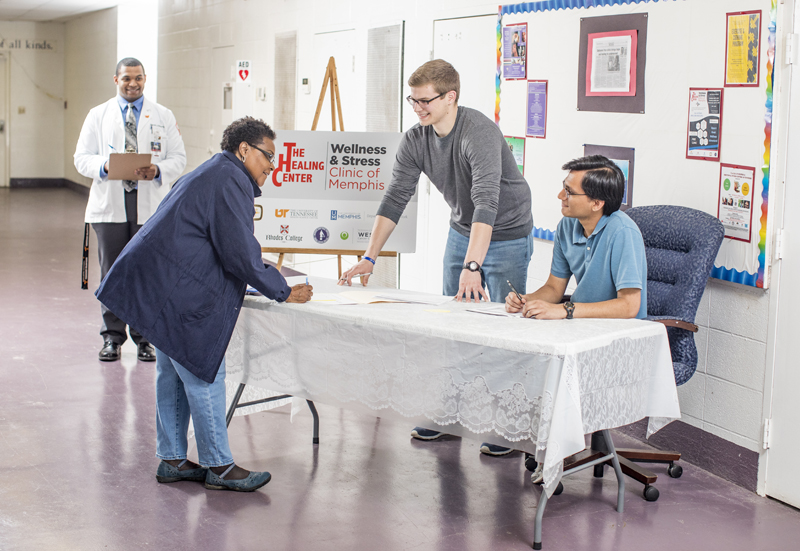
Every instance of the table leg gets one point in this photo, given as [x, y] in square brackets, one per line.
[617, 471]
[235, 403]
[313, 408]
[537, 525]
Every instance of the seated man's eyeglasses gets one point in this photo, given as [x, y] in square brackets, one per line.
[569, 193]
[422, 102]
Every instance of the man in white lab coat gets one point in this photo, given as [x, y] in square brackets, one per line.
[117, 209]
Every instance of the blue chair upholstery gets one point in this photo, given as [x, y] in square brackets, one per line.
[681, 245]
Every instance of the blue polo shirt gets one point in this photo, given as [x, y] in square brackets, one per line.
[610, 259]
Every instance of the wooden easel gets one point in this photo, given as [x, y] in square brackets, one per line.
[336, 106]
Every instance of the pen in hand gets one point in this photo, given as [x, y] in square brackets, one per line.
[514, 290]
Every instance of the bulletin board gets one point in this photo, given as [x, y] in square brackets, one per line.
[686, 48]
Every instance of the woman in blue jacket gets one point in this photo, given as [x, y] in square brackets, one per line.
[181, 282]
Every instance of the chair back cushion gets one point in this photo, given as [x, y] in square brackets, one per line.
[681, 245]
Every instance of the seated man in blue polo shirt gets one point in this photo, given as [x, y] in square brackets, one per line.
[598, 244]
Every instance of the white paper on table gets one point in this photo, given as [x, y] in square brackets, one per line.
[367, 297]
[334, 299]
[291, 281]
[494, 309]
[414, 298]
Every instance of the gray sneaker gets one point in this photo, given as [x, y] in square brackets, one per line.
[491, 449]
[425, 434]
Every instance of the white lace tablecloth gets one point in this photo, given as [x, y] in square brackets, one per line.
[540, 385]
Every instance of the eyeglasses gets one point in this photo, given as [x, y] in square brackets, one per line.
[422, 102]
[270, 156]
[569, 193]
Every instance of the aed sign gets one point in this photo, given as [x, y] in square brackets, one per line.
[243, 71]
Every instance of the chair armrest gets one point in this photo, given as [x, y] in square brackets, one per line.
[673, 322]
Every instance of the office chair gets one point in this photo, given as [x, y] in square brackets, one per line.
[680, 245]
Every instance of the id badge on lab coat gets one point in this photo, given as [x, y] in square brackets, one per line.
[156, 140]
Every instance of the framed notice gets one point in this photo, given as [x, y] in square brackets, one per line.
[611, 64]
[536, 124]
[624, 158]
[735, 208]
[517, 146]
[704, 129]
[515, 39]
[742, 43]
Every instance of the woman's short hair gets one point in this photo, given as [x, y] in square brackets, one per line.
[439, 74]
[603, 180]
[246, 129]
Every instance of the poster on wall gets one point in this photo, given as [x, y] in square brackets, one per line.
[536, 126]
[623, 157]
[742, 42]
[515, 39]
[517, 146]
[325, 190]
[704, 129]
[735, 209]
[611, 64]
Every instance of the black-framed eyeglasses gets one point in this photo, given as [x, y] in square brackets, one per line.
[422, 102]
[569, 193]
[270, 156]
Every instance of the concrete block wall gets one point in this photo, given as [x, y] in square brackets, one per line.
[89, 62]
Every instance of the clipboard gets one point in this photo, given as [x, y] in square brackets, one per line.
[122, 166]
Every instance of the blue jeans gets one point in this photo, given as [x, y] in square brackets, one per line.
[180, 394]
[505, 260]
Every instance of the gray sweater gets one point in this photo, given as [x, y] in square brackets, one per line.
[474, 169]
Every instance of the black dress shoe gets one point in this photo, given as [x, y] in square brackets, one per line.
[109, 352]
[146, 352]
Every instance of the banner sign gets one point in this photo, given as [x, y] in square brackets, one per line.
[325, 190]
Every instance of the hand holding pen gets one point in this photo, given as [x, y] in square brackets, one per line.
[514, 301]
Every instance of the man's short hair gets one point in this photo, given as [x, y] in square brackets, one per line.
[603, 180]
[439, 74]
[129, 62]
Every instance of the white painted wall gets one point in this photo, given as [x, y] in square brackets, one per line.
[137, 36]
[37, 88]
[724, 397]
[89, 63]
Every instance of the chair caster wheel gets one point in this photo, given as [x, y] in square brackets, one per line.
[530, 463]
[675, 471]
[598, 470]
[559, 489]
[650, 493]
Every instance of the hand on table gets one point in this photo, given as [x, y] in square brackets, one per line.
[543, 310]
[363, 267]
[469, 286]
[513, 304]
[301, 293]
[147, 173]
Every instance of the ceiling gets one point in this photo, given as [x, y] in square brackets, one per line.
[48, 10]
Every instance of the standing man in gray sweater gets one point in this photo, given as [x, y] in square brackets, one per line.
[466, 157]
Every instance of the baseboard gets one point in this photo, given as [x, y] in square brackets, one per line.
[30, 183]
[708, 451]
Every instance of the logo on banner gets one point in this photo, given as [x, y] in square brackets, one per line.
[285, 229]
[362, 236]
[281, 213]
[303, 213]
[333, 214]
[321, 235]
[243, 68]
[336, 215]
[293, 167]
[344, 236]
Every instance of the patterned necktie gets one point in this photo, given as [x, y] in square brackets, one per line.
[131, 144]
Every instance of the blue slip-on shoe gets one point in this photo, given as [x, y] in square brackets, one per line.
[491, 449]
[425, 434]
[253, 482]
[167, 473]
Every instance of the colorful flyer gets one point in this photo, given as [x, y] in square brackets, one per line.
[742, 43]
[536, 126]
[515, 39]
[517, 146]
[735, 209]
[704, 132]
[611, 64]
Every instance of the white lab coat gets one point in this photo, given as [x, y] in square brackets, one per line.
[103, 130]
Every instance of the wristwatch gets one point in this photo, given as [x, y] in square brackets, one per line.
[570, 308]
[472, 266]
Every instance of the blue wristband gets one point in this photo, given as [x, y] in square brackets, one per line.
[368, 258]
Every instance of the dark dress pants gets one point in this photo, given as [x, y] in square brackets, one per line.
[111, 239]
